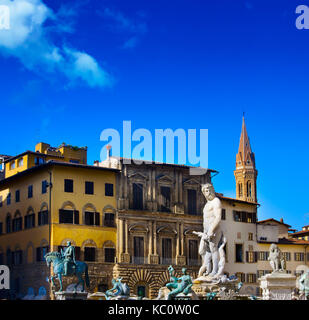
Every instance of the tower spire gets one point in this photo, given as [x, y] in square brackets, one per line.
[245, 173]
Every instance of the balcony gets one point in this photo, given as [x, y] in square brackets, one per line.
[139, 260]
[194, 262]
[167, 261]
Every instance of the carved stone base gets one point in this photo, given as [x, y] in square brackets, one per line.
[179, 208]
[201, 288]
[278, 286]
[154, 259]
[180, 260]
[69, 295]
[124, 258]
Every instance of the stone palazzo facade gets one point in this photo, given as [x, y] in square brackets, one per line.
[159, 205]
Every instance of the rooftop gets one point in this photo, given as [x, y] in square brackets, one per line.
[273, 220]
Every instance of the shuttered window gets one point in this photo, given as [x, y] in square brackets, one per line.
[137, 196]
[192, 203]
[69, 216]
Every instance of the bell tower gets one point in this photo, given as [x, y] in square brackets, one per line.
[245, 173]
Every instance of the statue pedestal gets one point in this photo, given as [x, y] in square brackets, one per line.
[278, 286]
[189, 296]
[201, 287]
[70, 295]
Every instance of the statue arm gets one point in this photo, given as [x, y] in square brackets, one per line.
[217, 213]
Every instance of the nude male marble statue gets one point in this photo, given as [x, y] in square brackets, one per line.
[212, 238]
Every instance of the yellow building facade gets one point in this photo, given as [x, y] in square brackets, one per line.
[43, 207]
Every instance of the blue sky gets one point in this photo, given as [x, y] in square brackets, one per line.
[70, 69]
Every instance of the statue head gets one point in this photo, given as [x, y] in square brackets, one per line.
[68, 243]
[208, 191]
[184, 270]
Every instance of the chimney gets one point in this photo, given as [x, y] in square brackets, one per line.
[281, 220]
[108, 148]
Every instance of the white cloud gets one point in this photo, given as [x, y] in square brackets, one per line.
[135, 28]
[30, 41]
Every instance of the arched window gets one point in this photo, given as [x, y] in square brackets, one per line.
[109, 251]
[30, 219]
[17, 222]
[8, 222]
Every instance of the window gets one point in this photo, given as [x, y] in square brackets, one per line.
[109, 189]
[193, 253]
[166, 251]
[236, 216]
[165, 197]
[92, 218]
[263, 255]
[109, 254]
[109, 220]
[29, 221]
[68, 185]
[250, 236]
[263, 238]
[88, 187]
[12, 165]
[192, 203]
[251, 277]
[241, 276]
[137, 196]
[8, 224]
[299, 256]
[251, 256]
[44, 186]
[287, 256]
[17, 257]
[41, 252]
[89, 254]
[8, 199]
[17, 224]
[43, 217]
[17, 196]
[30, 192]
[138, 256]
[69, 216]
[38, 161]
[243, 216]
[223, 214]
[20, 162]
[239, 253]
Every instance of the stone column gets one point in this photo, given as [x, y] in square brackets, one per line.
[180, 258]
[124, 255]
[154, 257]
[126, 228]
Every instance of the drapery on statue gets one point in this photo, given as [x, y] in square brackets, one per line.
[176, 287]
[212, 238]
[64, 264]
[118, 289]
[276, 259]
